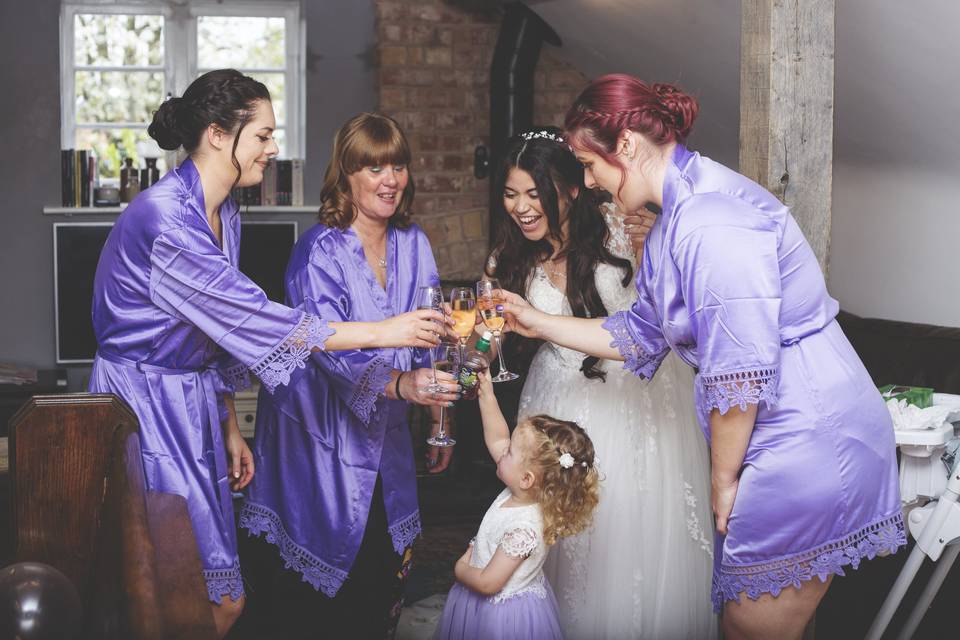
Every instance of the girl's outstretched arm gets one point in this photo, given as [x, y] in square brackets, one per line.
[492, 578]
[496, 433]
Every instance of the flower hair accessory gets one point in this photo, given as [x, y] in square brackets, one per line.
[546, 135]
[567, 461]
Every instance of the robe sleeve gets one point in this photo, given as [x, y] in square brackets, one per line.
[358, 377]
[636, 332]
[192, 280]
[730, 280]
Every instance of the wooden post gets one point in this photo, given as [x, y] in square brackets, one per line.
[786, 108]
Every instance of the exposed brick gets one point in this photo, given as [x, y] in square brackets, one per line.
[393, 56]
[566, 79]
[415, 56]
[474, 224]
[388, 11]
[467, 55]
[392, 33]
[438, 56]
[393, 98]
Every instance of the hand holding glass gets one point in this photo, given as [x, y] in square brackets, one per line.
[445, 357]
[491, 310]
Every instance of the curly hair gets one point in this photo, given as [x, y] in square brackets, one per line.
[365, 140]
[568, 496]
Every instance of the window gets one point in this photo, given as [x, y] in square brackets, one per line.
[119, 61]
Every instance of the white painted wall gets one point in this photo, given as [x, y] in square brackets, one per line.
[895, 246]
[896, 195]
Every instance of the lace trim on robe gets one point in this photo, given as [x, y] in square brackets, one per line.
[737, 388]
[223, 582]
[235, 378]
[275, 368]
[881, 537]
[635, 358]
[370, 388]
[258, 519]
[403, 533]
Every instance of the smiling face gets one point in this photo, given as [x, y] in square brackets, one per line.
[376, 191]
[255, 146]
[522, 202]
[630, 182]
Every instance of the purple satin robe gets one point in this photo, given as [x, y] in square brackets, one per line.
[178, 326]
[322, 441]
[729, 282]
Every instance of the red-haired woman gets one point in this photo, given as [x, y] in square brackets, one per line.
[804, 472]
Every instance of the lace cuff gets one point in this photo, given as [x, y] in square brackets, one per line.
[275, 369]
[234, 378]
[370, 388]
[737, 388]
[224, 582]
[520, 542]
[636, 359]
[403, 533]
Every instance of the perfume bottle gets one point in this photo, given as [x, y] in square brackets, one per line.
[129, 181]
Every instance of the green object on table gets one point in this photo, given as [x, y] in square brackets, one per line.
[918, 396]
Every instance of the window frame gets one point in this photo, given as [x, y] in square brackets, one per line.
[180, 34]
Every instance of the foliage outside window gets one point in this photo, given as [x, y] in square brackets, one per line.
[119, 62]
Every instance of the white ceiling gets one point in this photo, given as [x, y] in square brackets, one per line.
[897, 99]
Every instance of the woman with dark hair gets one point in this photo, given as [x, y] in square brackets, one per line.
[336, 485]
[804, 470]
[178, 326]
[572, 257]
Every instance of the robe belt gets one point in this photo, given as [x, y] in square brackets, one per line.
[146, 367]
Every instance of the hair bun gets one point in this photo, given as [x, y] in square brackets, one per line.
[681, 107]
[165, 127]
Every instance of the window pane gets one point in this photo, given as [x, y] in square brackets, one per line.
[280, 136]
[276, 84]
[235, 42]
[118, 40]
[117, 96]
[112, 145]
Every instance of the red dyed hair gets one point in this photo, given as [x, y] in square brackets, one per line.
[661, 113]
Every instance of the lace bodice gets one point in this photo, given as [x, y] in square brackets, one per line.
[544, 295]
[519, 531]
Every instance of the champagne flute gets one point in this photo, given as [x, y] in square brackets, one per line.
[464, 315]
[431, 298]
[444, 357]
[491, 310]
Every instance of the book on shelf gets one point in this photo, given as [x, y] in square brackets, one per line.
[282, 186]
[78, 177]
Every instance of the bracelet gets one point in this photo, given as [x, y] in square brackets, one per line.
[397, 387]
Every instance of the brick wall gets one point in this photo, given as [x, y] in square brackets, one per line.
[434, 79]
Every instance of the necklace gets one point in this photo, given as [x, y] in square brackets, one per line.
[555, 272]
[381, 259]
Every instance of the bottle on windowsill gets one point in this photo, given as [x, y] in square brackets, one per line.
[476, 361]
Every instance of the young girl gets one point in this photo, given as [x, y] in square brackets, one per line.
[552, 490]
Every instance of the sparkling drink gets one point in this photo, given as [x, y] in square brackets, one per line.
[491, 310]
[464, 318]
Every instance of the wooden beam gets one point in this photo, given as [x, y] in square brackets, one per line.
[786, 108]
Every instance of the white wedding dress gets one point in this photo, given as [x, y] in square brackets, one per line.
[643, 569]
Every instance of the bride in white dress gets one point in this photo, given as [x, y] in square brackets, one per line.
[644, 568]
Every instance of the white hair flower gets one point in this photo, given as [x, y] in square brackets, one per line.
[566, 460]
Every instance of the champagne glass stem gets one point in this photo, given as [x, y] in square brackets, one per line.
[441, 434]
[503, 365]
